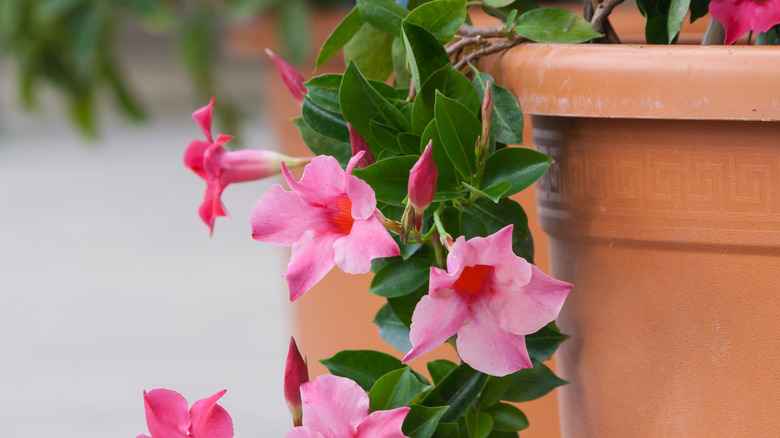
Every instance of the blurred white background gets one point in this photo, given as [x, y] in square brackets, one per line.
[109, 282]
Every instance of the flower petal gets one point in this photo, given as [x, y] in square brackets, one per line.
[211, 208]
[362, 197]
[488, 348]
[193, 157]
[203, 117]
[333, 406]
[303, 432]
[383, 424]
[525, 309]
[281, 218]
[312, 258]
[322, 180]
[367, 240]
[435, 319]
[210, 420]
[166, 413]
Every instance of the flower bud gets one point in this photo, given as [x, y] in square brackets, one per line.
[290, 76]
[422, 180]
[296, 374]
[358, 144]
[483, 146]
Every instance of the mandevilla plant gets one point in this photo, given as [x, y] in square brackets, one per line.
[412, 180]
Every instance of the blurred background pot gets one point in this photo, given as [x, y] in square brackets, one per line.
[663, 209]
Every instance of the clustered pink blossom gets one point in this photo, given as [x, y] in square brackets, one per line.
[167, 416]
[337, 407]
[491, 299]
[327, 218]
[741, 16]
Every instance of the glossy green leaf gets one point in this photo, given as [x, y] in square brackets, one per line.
[507, 118]
[409, 143]
[458, 390]
[321, 145]
[542, 344]
[494, 217]
[421, 421]
[385, 137]
[447, 185]
[656, 14]
[389, 178]
[507, 418]
[493, 193]
[519, 166]
[404, 306]
[360, 103]
[395, 389]
[442, 18]
[340, 36]
[479, 424]
[363, 366]
[440, 368]
[678, 9]
[324, 91]
[400, 277]
[503, 12]
[494, 389]
[699, 8]
[385, 15]
[448, 430]
[325, 122]
[424, 53]
[450, 83]
[392, 330]
[498, 3]
[532, 383]
[553, 25]
[371, 50]
[458, 129]
[403, 77]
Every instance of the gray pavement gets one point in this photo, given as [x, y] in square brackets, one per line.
[109, 282]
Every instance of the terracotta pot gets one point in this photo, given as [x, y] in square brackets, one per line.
[663, 209]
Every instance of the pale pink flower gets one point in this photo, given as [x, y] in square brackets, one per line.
[337, 407]
[291, 78]
[491, 298]
[327, 218]
[167, 416]
[740, 16]
[358, 143]
[296, 373]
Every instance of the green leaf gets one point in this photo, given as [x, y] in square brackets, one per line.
[498, 3]
[450, 83]
[371, 49]
[424, 53]
[699, 8]
[385, 136]
[519, 166]
[321, 145]
[395, 389]
[507, 118]
[442, 18]
[503, 13]
[542, 344]
[553, 25]
[448, 430]
[409, 143]
[494, 217]
[392, 330]
[363, 366]
[421, 421]
[507, 418]
[447, 185]
[324, 91]
[361, 103]
[494, 193]
[403, 77]
[440, 368]
[532, 383]
[389, 178]
[678, 9]
[458, 390]
[385, 15]
[494, 389]
[458, 129]
[327, 123]
[404, 306]
[340, 36]
[401, 277]
[479, 424]
[656, 14]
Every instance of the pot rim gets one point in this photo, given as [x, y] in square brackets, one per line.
[642, 81]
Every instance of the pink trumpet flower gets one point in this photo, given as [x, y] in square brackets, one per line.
[740, 16]
[336, 407]
[296, 373]
[167, 416]
[291, 78]
[358, 144]
[491, 298]
[219, 167]
[328, 217]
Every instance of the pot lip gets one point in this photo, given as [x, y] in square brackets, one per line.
[642, 81]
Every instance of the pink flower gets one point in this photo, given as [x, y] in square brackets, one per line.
[291, 78]
[336, 407]
[219, 167]
[167, 416]
[296, 373]
[422, 180]
[740, 16]
[358, 143]
[327, 218]
[491, 298]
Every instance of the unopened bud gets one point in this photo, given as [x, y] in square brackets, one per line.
[422, 180]
[358, 144]
[296, 373]
[291, 78]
